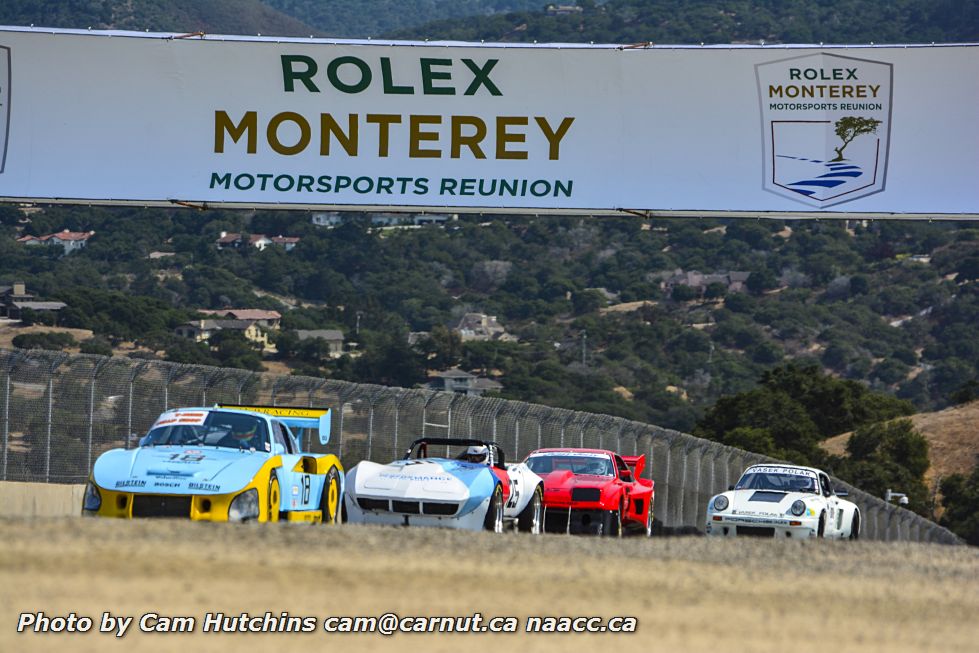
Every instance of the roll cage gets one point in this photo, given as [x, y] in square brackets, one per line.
[420, 449]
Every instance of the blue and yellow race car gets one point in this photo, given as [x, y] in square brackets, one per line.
[224, 463]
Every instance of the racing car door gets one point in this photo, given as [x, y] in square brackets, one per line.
[625, 481]
[301, 490]
[498, 466]
[834, 516]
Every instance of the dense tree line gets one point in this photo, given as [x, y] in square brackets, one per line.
[817, 292]
[723, 21]
[372, 18]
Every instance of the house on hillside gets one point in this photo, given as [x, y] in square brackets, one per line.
[265, 319]
[332, 337]
[460, 382]
[235, 241]
[482, 327]
[336, 218]
[732, 281]
[563, 10]
[69, 241]
[14, 300]
[203, 330]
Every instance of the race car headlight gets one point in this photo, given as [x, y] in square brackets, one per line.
[720, 503]
[798, 507]
[244, 506]
[93, 499]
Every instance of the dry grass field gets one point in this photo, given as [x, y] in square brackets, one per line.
[688, 594]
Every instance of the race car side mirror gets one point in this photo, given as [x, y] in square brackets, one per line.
[625, 475]
[143, 441]
[730, 488]
[278, 449]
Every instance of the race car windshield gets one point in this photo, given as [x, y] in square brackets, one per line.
[577, 464]
[779, 482]
[218, 429]
[475, 454]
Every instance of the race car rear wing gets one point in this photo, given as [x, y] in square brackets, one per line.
[637, 463]
[295, 417]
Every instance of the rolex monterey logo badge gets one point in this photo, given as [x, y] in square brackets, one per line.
[826, 123]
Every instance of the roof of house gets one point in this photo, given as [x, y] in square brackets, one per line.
[72, 235]
[214, 325]
[454, 373]
[325, 334]
[40, 306]
[61, 235]
[486, 384]
[231, 238]
[243, 313]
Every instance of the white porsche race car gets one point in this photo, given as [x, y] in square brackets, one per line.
[775, 500]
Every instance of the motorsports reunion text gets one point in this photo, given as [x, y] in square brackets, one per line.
[385, 624]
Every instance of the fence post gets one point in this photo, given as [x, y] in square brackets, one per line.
[696, 483]
[402, 395]
[96, 369]
[343, 396]
[6, 420]
[135, 372]
[58, 360]
[12, 361]
[245, 380]
[370, 421]
[665, 491]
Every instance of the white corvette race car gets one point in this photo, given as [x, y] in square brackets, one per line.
[783, 501]
[448, 482]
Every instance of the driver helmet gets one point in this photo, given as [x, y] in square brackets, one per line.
[595, 468]
[803, 484]
[245, 432]
[476, 454]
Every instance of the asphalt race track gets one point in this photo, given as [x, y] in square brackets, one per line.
[687, 593]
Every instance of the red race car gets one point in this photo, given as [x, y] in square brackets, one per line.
[593, 491]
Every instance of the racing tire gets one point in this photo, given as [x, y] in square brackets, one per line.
[855, 526]
[273, 499]
[330, 500]
[649, 520]
[612, 523]
[821, 532]
[494, 513]
[531, 520]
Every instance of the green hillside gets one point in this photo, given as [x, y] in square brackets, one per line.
[372, 18]
[213, 16]
[724, 21]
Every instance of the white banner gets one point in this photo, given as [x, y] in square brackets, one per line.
[305, 123]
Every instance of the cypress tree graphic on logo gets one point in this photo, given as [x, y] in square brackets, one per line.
[849, 128]
[825, 127]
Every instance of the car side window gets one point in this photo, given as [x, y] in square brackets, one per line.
[623, 468]
[824, 484]
[279, 437]
[292, 440]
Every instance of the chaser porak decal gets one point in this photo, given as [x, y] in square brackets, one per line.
[826, 123]
[4, 104]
